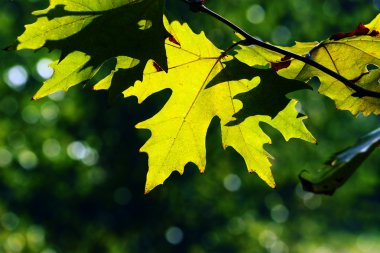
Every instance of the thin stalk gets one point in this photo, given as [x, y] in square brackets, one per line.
[198, 6]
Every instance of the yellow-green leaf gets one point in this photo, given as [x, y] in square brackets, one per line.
[178, 130]
[70, 71]
[96, 31]
[122, 62]
[348, 54]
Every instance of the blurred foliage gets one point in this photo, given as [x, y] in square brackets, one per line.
[71, 177]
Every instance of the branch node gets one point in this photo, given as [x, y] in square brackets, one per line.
[196, 5]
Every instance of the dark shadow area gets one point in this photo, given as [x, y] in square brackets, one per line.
[268, 98]
[112, 33]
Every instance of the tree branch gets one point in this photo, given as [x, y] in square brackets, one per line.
[198, 6]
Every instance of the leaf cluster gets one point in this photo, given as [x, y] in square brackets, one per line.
[130, 48]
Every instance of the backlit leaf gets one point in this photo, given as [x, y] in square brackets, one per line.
[203, 85]
[90, 32]
[354, 55]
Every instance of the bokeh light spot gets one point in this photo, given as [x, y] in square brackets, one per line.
[255, 14]
[281, 35]
[51, 148]
[35, 237]
[279, 247]
[314, 202]
[174, 235]
[232, 182]
[9, 221]
[310, 200]
[77, 150]
[91, 158]
[16, 77]
[43, 68]
[27, 159]
[279, 213]
[267, 238]
[15, 243]
[49, 111]
[5, 157]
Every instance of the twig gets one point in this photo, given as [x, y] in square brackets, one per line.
[198, 6]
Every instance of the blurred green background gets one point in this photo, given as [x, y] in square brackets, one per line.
[72, 179]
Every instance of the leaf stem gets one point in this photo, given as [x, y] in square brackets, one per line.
[198, 6]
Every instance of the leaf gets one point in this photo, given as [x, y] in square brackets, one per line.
[349, 54]
[90, 32]
[270, 97]
[121, 63]
[178, 130]
[341, 166]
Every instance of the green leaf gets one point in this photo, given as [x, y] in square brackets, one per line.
[348, 54]
[90, 32]
[203, 86]
[341, 166]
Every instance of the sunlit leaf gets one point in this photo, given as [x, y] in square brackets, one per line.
[354, 55]
[90, 32]
[178, 130]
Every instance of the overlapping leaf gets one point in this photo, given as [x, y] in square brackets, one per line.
[90, 32]
[178, 130]
[354, 55]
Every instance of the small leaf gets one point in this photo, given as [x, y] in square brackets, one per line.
[341, 166]
[122, 62]
[70, 71]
